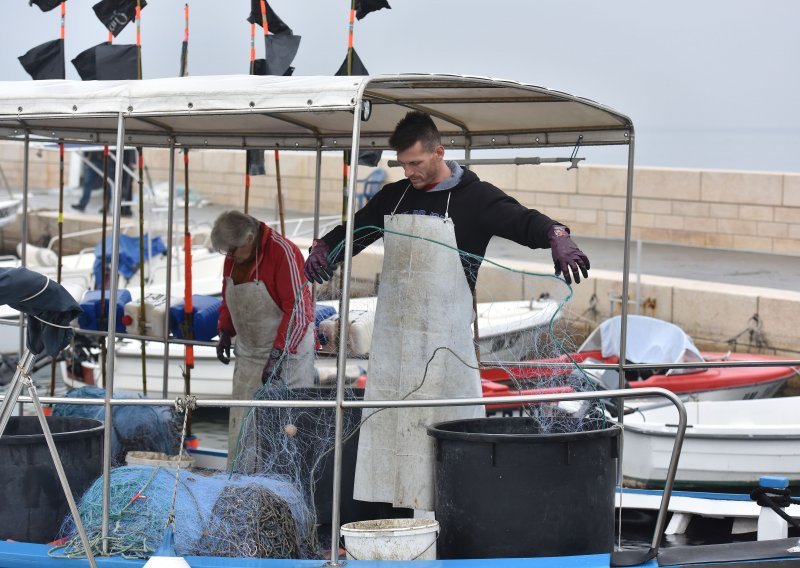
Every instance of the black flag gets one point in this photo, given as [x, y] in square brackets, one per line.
[260, 68]
[45, 61]
[356, 69]
[115, 14]
[274, 24]
[280, 50]
[368, 157]
[45, 5]
[107, 62]
[184, 60]
[255, 163]
[364, 7]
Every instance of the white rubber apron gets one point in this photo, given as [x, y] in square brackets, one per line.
[424, 303]
[256, 318]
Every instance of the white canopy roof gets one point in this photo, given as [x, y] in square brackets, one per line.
[238, 111]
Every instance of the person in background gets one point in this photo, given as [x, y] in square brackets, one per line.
[267, 309]
[425, 302]
[92, 180]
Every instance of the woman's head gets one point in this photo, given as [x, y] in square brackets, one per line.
[234, 234]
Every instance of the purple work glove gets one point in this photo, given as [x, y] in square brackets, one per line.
[224, 347]
[317, 268]
[566, 254]
[272, 370]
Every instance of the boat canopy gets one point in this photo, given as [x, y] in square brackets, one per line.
[245, 111]
[650, 340]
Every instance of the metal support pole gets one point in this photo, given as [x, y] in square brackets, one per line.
[638, 277]
[12, 395]
[168, 289]
[112, 327]
[24, 237]
[626, 266]
[342, 360]
[317, 189]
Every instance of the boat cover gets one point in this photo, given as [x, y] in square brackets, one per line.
[49, 306]
[649, 340]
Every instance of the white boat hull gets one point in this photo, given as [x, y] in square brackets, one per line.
[727, 443]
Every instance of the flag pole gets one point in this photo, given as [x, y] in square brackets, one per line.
[62, 35]
[184, 71]
[103, 270]
[265, 26]
[346, 154]
[60, 224]
[120, 155]
[139, 40]
[247, 154]
[188, 308]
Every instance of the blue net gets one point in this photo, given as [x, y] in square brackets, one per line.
[136, 428]
[215, 515]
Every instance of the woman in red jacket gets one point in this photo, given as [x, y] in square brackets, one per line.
[267, 309]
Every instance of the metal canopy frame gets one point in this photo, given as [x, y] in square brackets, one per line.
[319, 114]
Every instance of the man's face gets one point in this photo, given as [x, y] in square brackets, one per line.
[422, 167]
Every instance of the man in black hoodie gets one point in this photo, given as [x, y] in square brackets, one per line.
[422, 341]
[435, 186]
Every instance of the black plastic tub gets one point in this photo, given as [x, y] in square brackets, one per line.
[504, 489]
[32, 502]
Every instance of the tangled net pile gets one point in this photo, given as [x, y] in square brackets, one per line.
[215, 515]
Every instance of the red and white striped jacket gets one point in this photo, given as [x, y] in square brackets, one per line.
[281, 271]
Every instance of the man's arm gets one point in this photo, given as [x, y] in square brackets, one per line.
[327, 251]
[509, 219]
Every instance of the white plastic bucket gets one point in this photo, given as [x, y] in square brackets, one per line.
[391, 539]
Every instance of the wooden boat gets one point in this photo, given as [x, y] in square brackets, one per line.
[653, 341]
[727, 443]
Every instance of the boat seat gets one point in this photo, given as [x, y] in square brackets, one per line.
[38, 256]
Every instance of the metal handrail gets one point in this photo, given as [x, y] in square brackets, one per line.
[428, 403]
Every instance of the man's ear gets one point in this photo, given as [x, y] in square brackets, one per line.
[440, 151]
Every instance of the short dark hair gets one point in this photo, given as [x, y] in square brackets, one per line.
[416, 126]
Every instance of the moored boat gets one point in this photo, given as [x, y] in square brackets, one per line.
[727, 443]
[656, 342]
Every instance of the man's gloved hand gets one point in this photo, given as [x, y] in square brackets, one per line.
[566, 254]
[317, 268]
[272, 370]
[224, 347]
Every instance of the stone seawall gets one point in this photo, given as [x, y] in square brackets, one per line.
[746, 211]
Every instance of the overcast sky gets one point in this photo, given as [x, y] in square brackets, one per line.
[708, 83]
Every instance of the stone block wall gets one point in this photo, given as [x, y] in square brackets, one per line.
[752, 211]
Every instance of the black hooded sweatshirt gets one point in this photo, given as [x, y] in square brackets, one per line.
[478, 209]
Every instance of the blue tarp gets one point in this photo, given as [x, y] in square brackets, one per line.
[128, 255]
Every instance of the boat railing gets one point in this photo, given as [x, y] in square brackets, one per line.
[86, 232]
[619, 557]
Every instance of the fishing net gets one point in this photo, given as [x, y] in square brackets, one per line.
[216, 514]
[136, 428]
